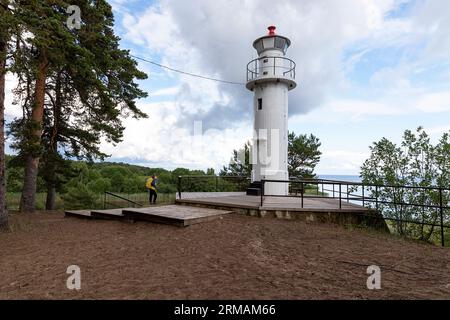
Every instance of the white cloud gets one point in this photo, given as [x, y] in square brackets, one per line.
[341, 161]
[417, 103]
[170, 91]
[434, 102]
[214, 38]
[158, 140]
[437, 131]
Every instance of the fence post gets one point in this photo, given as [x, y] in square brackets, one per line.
[340, 196]
[179, 187]
[442, 217]
[262, 191]
[363, 202]
[333, 191]
[348, 196]
[376, 197]
[104, 201]
[302, 192]
[217, 183]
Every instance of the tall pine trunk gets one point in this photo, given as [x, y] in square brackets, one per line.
[50, 168]
[52, 149]
[51, 197]
[28, 199]
[3, 210]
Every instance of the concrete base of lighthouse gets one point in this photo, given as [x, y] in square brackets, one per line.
[270, 188]
[276, 188]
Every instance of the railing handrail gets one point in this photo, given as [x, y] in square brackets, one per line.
[256, 62]
[122, 198]
[370, 199]
[212, 176]
[356, 184]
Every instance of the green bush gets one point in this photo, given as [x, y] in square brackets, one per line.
[80, 197]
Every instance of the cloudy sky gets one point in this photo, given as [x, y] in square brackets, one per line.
[366, 69]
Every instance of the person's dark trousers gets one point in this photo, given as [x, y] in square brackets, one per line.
[153, 196]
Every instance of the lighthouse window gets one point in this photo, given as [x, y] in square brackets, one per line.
[260, 104]
[266, 60]
[268, 42]
[281, 43]
[259, 46]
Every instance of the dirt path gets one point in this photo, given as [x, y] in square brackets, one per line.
[237, 257]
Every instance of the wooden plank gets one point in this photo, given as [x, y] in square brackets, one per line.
[276, 203]
[86, 214]
[174, 215]
[110, 214]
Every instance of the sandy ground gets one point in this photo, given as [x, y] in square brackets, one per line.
[236, 257]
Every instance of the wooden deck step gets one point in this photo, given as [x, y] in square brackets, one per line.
[86, 214]
[181, 216]
[176, 215]
[110, 214]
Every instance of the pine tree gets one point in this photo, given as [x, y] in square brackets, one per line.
[47, 44]
[3, 45]
[303, 155]
[79, 92]
[82, 85]
[240, 164]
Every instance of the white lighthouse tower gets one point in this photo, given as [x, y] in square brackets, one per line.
[270, 76]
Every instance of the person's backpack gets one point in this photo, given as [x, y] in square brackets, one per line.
[149, 183]
[153, 183]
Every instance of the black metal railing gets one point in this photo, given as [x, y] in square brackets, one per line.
[270, 66]
[391, 198]
[399, 204]
[118, 201]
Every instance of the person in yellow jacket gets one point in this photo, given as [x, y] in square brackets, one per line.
[151, 186]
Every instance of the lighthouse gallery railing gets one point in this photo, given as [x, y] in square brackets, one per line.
[270, 66]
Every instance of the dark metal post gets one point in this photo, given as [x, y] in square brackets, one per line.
[217, 183]
[348, 199]
[104, 200]
[363, 202]
[340, 197]
[376, 197]
[333, 191]
[262, 191]
[441, 209]
[302, 192]
[179, 187]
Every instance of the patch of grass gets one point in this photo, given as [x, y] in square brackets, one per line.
[141, 198]
[13, 200]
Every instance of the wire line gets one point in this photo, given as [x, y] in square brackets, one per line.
[186, 73]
